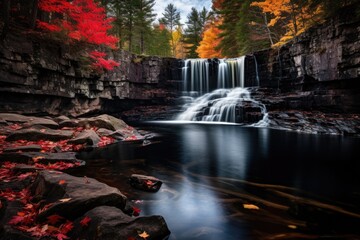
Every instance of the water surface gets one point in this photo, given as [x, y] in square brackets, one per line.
[305, 186]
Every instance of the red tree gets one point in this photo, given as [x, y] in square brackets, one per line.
[81, 20]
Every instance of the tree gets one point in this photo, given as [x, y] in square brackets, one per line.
[293, 16]
[171, 19]
[81, 20]
[159, 42]
[252, 31]
[209, 42]
[144, 17]
[193, 32]
[228, 11]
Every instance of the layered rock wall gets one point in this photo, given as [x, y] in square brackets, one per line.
[41, 76]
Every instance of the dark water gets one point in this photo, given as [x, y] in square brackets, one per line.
[305, 186]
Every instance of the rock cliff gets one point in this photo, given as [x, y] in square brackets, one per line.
[39, 76]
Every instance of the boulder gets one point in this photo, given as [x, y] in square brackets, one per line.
[110, 223]
[42, 157]
[71, 197]
[104, 121]
[89, 137]
[146, 183]
[28, 121]
[33, 134]
[27, 148]
[103, 132]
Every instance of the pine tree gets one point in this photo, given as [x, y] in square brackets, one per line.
[193, 32]
[171, 19]
[159, 41]
[229, 13]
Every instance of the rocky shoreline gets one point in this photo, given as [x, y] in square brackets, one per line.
[38, 199]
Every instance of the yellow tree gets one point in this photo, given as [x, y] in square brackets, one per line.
[177, 44]
[210, 41]
[294, 16]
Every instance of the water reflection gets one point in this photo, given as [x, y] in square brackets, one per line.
[211, 171]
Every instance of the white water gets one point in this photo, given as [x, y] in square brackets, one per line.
[224, 104]
[221, 105]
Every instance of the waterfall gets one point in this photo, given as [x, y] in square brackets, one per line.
[222, 97]
[225, 105]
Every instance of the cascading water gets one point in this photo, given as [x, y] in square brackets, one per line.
[230, 102]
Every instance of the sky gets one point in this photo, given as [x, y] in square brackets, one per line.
[183, 6]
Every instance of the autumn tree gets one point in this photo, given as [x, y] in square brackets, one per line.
[293, 16]
[171, 19]
[252, 31]
[209, 42]
[81, 20]
[193, 33]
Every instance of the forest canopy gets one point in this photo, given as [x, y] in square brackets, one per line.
[231, 28]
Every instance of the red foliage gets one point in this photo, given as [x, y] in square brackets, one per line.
[101, 63]
[85, 221]
[87, 21]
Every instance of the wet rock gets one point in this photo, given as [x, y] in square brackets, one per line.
[33, 134]
[104, 121]
[14, 118]
[110, 223]
[69, 123]
[146, 183]
[104, 132]
[89, 137]
[28, 121]
[61, 119]
[74, 196]
[27, 148]
[8, 210]
[40, 157]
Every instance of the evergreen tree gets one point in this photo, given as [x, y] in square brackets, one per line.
[252, 32]
[229, 12]
[171, 19]
[159, 41]
[193, 32]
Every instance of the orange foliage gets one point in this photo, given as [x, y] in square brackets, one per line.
[207, 47]
[289, 14]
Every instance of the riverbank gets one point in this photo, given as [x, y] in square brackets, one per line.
[40, 198]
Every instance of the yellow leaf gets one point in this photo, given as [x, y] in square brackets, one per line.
[292, 226]
[64, 199]
[251, 206]
[144, 235]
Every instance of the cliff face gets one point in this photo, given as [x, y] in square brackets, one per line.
[319, 70]
[38, 76]
[322, 66]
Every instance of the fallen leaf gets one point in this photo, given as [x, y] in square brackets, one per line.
[61, 182]
[64, 199]
[251, 206]
[36, 159]
[53, 219]
[136, 211]
[144, 235]
[85, 221]
[292, 226]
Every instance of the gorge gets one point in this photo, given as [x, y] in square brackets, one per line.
[227, 139]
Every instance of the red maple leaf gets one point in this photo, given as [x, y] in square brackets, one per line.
[85, 221]
[136, 211]
[61, 236]
[66, 227]
[53, 219]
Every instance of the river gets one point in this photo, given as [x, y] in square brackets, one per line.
[231, 182]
